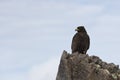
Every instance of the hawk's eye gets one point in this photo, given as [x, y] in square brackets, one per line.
[78, 28]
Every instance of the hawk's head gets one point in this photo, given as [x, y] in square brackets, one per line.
[80, 29]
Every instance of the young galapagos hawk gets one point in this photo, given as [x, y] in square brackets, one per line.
[80, 41]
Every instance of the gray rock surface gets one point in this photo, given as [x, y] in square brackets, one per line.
[84, 67]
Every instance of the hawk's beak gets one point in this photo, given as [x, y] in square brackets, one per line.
[76, 29]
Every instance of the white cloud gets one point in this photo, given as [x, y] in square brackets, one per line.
[45, 71]
[107, 26]
[13, 76]
[85, 10]
[26, 26]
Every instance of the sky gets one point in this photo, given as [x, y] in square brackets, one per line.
[34, 33]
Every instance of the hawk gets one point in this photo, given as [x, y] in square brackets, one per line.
[80, 41]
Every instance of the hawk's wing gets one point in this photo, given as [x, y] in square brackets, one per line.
[76, 42]
[80, 42]
[87, 41]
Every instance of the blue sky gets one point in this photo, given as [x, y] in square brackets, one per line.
[33, 34]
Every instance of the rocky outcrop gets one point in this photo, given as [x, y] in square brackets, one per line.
[84, 67]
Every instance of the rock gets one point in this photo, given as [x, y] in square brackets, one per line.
[78, 66]
[64, 72]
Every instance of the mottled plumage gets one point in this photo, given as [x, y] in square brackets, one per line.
[80, 41]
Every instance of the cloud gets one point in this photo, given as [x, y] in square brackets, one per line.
[107, 25]
[45, 71]
[13, 76]
[26, 26]
[43, 12]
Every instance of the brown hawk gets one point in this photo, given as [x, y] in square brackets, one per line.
[80, 41]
